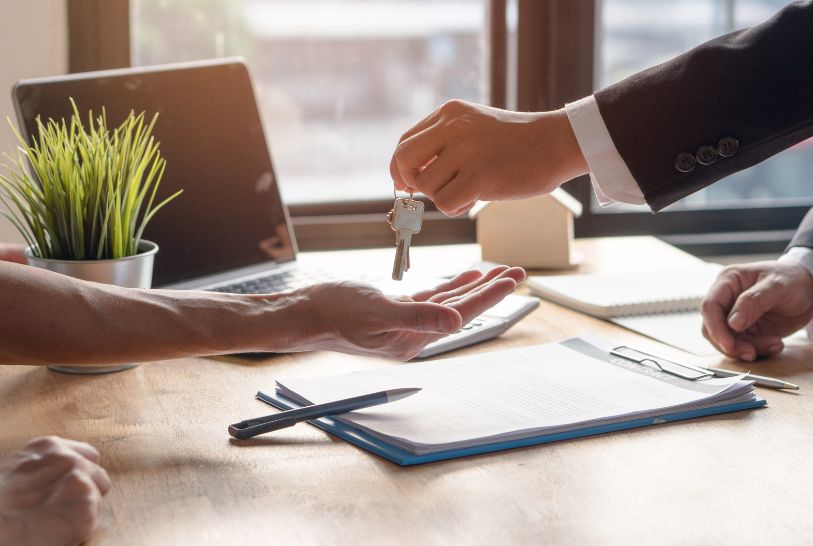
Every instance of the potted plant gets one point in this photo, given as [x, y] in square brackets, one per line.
[84, 203]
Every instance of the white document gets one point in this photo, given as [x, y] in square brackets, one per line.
[681, 330]
[513, 394]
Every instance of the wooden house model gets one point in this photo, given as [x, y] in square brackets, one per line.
[534, 233]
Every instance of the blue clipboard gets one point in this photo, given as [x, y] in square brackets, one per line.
[405, 458]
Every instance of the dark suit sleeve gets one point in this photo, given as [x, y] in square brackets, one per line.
[717, 109]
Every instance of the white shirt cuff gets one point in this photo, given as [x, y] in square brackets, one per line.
[803, 256]
[611, 178]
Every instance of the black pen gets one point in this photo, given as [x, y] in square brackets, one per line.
[260, 425]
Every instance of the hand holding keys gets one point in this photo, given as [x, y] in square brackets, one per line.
[405, 219]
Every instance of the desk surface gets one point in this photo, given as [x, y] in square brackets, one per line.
[178, 479]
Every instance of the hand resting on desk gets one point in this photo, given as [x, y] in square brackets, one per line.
[50, 492]
[751, 307]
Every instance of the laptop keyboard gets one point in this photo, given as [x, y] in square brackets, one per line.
[278, 282]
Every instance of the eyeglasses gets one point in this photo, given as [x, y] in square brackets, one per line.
[685, 371]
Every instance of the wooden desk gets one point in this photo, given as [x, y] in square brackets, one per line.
[741, 478]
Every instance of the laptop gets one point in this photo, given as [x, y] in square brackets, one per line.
[230, 230]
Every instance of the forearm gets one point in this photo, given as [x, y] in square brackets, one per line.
[52, 319]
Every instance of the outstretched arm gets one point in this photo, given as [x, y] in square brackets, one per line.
[49, 318]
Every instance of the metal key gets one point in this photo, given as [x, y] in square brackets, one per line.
[418, 212]
[405, 219]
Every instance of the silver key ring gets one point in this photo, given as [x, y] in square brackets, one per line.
[395, 193]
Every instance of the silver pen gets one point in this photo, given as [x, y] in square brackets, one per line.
[260, 425]
[760, 380]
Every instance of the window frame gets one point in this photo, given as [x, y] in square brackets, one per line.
[551, 69]
[98, 34]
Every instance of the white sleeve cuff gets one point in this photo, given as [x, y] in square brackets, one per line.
[803, 256]
[611, 178]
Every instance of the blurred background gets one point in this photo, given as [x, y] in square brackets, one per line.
[338, 81]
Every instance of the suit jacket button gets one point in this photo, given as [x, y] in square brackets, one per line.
[685, 162]
[706, 155]
[727, 146]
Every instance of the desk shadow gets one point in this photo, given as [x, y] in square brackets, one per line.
[788, 392]
[793, 361]
[249, 359]
[40, 382]
[142, 464]
[270, 442]
[20, 386]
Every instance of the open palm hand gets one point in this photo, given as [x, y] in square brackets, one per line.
[360, 319]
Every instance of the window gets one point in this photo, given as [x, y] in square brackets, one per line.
[338, 81]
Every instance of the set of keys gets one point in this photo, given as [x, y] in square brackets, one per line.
[405, 219]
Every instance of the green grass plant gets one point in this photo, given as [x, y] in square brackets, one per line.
[90, 191]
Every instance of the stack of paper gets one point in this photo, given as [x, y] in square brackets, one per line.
[509, 398]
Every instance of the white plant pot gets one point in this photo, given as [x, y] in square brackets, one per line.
[130, 272]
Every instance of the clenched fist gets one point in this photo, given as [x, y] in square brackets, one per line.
[50, 492]
[751, 307]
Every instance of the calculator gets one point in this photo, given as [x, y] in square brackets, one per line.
[488, 325]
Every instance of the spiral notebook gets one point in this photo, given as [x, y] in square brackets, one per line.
[628, 294]
[663, 305]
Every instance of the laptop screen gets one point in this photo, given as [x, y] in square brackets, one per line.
[230, 214]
